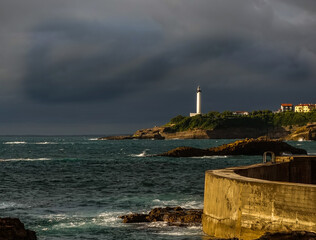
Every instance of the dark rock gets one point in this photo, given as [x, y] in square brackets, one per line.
[149, 133]
[13, 229]
[135, 218]
[116, 137]
[241, 147]
[295, 235]
[173, 215]
[186, 152]
[307, 132]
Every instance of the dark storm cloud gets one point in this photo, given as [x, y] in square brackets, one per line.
[80, 62]
[87, 61]
[140, 60]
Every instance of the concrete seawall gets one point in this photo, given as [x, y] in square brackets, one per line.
[246, 202]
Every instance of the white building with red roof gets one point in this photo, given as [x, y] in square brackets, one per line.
[286, 107]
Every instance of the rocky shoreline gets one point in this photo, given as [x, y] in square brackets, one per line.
[177, 216]
[13, 229]
[307, 132]
[172, 215]
[241, 147]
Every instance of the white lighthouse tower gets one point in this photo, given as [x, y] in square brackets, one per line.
[198, 102]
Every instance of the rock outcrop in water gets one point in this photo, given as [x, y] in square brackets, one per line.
[185, 217]
[307, 132]
[295, 235]
[241, 147]
[173, 215]
[13, 229]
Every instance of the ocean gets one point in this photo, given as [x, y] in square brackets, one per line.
[75, 187]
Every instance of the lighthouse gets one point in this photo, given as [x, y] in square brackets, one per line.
[198, 102]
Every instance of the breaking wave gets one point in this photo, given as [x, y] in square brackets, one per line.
[191, 204]
[44, 143]
[188, 231]
[212, 157]
[24, 159]
[64, 221]
[142, 154]
[5, 205]
[23, 142]
[16, 142]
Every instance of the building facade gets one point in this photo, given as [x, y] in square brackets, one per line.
[286, 107]
[305, 107]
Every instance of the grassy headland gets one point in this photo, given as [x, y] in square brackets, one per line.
[255, 119]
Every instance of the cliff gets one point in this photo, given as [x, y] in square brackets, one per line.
[307, 132]
[161, 133]
[242, 147]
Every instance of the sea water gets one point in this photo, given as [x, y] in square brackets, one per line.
[77, 187]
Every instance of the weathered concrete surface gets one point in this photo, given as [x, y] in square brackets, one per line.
[247, 207]
[295, 235]
[296, 169]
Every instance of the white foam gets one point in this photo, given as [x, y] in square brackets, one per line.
[212, 157]
[63, 221]
[157, 224]
[57, 217]
[16, 142]
[142, 154]
[191, 204]
[165, 203]
[24, 159]
[108, 219]
[75, 224]
[5, 205]
[181, 232]
[43, 143]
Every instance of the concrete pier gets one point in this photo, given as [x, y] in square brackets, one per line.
[245, 202]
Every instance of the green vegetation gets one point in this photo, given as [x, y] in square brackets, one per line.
[256, 119]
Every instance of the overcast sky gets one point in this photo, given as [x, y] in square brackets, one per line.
[113, 66]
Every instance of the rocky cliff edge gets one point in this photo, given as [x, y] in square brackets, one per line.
[307, 132]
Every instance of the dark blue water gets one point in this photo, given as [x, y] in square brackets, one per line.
[76, 187]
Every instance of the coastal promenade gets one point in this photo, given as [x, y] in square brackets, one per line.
[245, 202]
